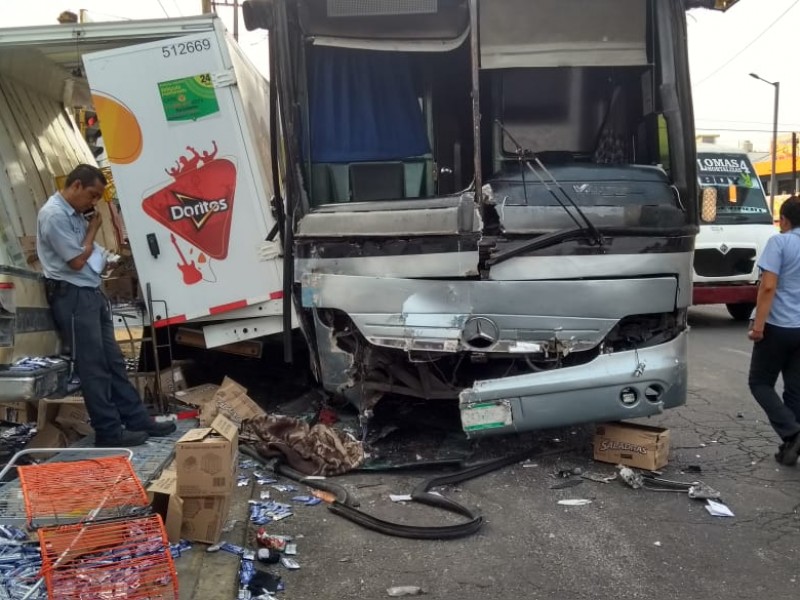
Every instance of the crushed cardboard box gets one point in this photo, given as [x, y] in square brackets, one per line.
[638, 446]
[18, 413]
[206, 459]
[231, 400]
[50, 436]
[163, 496]
[172, 380]
[197, 396]
[68, 413]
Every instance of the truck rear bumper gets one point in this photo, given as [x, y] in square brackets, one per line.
[725, 294]
[28, 386]
[609, 388]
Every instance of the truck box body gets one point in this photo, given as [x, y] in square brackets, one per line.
[184, 121]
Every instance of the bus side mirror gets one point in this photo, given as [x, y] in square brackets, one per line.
[708, 205]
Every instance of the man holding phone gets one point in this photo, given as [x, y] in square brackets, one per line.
[65, 243]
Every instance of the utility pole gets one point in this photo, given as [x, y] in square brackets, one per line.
[206, 6]
[773, 180]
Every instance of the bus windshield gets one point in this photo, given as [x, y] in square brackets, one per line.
[740, 198]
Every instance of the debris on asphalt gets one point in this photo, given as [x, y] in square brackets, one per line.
[404, 590]
[307, 500]
[575, 502]
[400, 497]
[657, 544]
[701, 491]
[179, 548]
[264, 479]
[290, 563]
[264, 581]
[718, 509]
[268, 556]
[567, 483]
[267, 511]
[599, 478]
[631, 477]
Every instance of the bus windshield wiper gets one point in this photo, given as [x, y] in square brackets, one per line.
[591, 232]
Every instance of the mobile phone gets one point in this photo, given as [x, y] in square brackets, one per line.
[89, 214]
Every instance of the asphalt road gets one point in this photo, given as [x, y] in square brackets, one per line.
[625, 544]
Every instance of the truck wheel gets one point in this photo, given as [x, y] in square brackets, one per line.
[740, 312]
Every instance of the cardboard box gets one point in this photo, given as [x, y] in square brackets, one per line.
[163, 495]
[204, 518]
[50, 436]
[198, 395]
[172, 380]
[638, 446]
[74, 416]
[69, 413]
[206, 460]
[231, 400]
[18, 413]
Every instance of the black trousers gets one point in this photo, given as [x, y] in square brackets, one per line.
[83, 318]
[778, 354]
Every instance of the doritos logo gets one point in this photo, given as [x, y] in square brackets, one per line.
[198, 205]
[198, 211]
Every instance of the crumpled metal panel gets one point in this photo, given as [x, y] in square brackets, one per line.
[434, 216]
[598, 266]
[433, 315]
[584, 394]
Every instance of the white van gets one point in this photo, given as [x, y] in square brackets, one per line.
[735, 224]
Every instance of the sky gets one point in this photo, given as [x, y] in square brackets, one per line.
[755, 36]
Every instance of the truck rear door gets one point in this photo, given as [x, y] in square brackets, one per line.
[188, 166]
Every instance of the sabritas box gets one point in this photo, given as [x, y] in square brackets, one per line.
[206, 459]
[639, 446]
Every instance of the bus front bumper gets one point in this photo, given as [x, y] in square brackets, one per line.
[622, 385]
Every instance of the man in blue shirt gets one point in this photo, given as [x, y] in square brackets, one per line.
[65, 245]
[775, 331]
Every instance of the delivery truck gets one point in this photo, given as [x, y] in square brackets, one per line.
[190, 161]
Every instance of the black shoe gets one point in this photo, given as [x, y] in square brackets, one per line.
[791, 450]
[158, 429]
[779, 453]
[124, 440]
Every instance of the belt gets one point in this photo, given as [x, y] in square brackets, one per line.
[61, 282]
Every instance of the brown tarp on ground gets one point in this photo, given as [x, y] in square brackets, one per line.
[317, 450]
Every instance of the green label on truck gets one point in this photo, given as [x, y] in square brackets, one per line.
[189, 98]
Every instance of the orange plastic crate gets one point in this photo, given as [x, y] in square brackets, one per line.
[71, 491]
[125, 559]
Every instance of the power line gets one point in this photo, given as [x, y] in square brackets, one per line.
[177, 7]
[698, 128]
[746, 46]
[166, 14]
[742, 121]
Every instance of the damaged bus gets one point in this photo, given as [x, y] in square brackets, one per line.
[488, 202]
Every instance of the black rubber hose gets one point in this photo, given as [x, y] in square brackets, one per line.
[346, 506]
